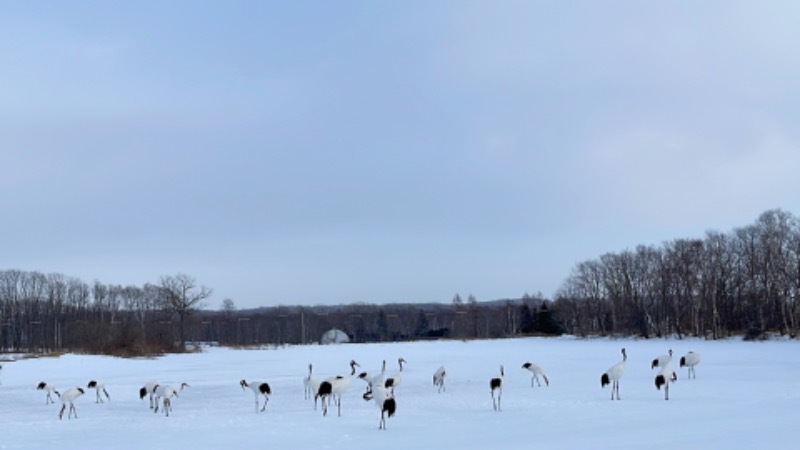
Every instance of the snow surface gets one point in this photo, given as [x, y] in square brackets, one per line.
[745, 395]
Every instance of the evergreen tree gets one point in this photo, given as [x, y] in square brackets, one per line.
[383, 326]
[547, 323]
[527, 320]
[421, 328]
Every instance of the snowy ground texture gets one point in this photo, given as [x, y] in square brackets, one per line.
[745, 395]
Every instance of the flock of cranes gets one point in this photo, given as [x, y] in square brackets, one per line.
[159, 394]
[664, 377]
[380, 386]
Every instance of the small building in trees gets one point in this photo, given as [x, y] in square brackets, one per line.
[335, 336]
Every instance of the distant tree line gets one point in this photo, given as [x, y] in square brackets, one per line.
[51, 312]
[741, 283]
[45, 313]
[364, 322]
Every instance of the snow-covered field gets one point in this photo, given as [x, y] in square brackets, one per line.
[745, 395]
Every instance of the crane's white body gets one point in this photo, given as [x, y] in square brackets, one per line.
[68, 397]
[381, 377]
[165, 394]
[613, 374]
[385, 401]
[311, 384]
[99, 386]
[374, 379]
[690, 360]
[393, 381]
[438, 378]
[147, 389]
[536, 371]
[496, 386]
[666, 376]
[335, 387]
[662, 360]
[50, 388]
[259, 388]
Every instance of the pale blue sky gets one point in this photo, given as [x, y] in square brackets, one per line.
[310, 152]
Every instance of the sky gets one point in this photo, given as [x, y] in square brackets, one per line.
[744, 395]
[311, 152]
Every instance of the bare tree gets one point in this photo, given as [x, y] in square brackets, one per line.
[182, 296]
[228, 306]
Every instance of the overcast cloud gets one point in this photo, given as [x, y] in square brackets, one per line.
[310, 152]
